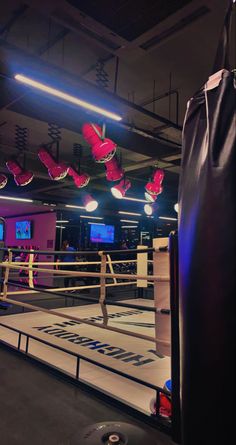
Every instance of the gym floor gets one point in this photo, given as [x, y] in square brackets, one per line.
[39, 408]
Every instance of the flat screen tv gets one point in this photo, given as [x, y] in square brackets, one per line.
[23, 229]
[1, 231]
[102, 234]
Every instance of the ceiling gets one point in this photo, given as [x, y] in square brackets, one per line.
[143, 62]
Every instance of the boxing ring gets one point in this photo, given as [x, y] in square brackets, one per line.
[120, 348]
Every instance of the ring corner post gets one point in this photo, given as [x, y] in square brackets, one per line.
[142, 269]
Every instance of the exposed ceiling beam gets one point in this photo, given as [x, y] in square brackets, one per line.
[44, 48]
[14, 17]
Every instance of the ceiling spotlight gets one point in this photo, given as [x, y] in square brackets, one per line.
[149, 197]
[176, 207]
[3, 180]
[114, 172]
[92, 133]
[90, 203]
[103, 149]
[56, 170]
[154, 188]
[80, 180]
[119, 190]
[67, 97]
[148, 209]
[22, 177]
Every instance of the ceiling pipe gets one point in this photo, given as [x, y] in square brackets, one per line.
[162, 96]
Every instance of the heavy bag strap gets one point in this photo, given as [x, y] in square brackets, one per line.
[222, 54]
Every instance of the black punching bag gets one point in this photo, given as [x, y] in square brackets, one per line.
[207, 258]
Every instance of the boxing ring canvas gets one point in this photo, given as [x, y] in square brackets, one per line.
[134, 357]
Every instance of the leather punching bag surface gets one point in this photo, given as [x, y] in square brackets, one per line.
[207, 259]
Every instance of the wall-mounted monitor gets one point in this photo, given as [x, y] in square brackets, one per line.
[101, 233]
[23, 229]
[1, 230]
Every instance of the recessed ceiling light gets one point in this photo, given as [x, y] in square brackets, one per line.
[60, 227]
[96, 224]
[62, 221]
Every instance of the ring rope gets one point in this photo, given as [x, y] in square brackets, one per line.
[69, 263]
[91, 274]
[81, 320]
[60, 289]
[77, 252]
[107, 301]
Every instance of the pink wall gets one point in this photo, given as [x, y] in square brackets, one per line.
[44, 229]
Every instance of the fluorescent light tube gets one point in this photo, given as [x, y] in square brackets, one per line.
[129, 221]
[168, 218]
[121, 212]
[70, 206]
[129, 227]
[67, 97]
[90, 217]
[12, 198]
